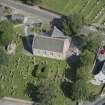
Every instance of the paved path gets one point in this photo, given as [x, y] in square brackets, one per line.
[88, 29]
[35, 12]
[100, 101]
[13, 101]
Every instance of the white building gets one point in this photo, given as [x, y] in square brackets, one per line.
[99, 68]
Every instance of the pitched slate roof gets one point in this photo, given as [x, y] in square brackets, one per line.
[57, 33]
[48, 43]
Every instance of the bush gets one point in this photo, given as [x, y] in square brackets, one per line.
[73, 24]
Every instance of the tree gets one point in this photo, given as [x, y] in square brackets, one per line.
[73, 24]
[6, 32]
[94, 41]
[46, 94]
[50, 93]
[86, 65]
[87, 57]
[67, 28]
[31, 2]
[80, 90]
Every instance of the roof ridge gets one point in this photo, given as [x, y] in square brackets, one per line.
[48, 43]
[57, 38]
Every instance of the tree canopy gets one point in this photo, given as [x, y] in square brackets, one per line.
[50, 93]
[73, 24]
[6, 32]
[94, 41]
[46, 93]
[87, 57]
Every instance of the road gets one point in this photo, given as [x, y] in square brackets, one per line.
[35, 12]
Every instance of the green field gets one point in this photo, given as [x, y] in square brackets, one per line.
[92, 10]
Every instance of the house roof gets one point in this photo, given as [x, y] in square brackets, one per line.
[48, 43]
[98, 67]
[57, 33]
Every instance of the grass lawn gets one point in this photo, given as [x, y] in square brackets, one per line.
[88, 8]
[56, 5]
[15, 75]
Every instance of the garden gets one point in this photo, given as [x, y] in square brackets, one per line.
[21, 74]
[18, 71]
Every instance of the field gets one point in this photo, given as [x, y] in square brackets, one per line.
[92, 10]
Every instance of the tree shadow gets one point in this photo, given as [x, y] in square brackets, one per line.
[34, 70]
[71, 77]
[67, 89]
[79, 41]
[31, 91]
[72, 60]
[102, 88]
[70, 74]
[58, 22]
[4, 58]
[27, 42]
